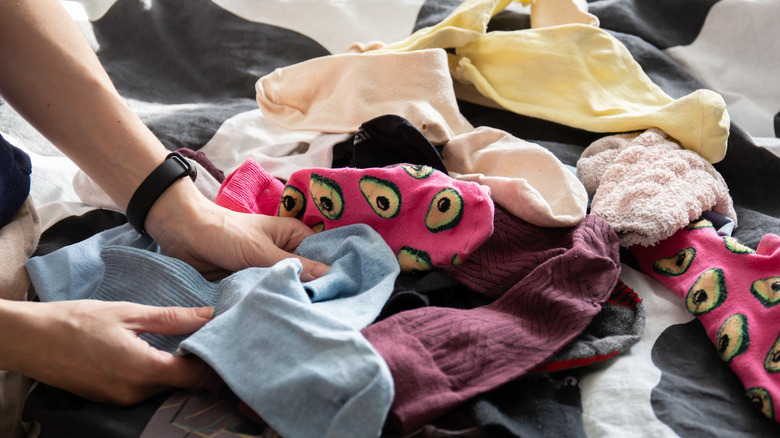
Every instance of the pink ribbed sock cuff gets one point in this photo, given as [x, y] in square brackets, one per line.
[250, 189]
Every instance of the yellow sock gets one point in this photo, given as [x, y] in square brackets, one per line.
[573, 74]
[581, 76]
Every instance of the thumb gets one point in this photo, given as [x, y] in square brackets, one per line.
[170, 320]
[311, 269]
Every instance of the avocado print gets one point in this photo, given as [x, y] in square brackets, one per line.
[772, 361]
[456, 260]
[761, 400]
[318, 227]
[734, 246]
[327, 196]
[733, 337]
[292, 204]
[699, 223]
[383, 196]
[707, 293]
[675, 265]
[417, 171]
[767, 291]
[412, 259]
[445, 211]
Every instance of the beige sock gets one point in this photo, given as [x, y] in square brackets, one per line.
[338, 93]
[524, 178]
[18, 240]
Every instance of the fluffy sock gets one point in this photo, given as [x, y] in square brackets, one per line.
[391, 139]
[647, 187]
[427, 218]
[250, 189]
[549, 283]
[339, 92]
[525, 178]
[734, 292]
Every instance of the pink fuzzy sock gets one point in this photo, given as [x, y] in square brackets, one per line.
[250, 189]
[426, 217]
[734, 291]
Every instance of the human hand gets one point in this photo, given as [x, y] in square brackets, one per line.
[217, 241]
[92, 349]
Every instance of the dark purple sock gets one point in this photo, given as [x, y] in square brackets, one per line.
[549, 283]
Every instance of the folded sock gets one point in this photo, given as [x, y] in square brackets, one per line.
[734, 291]
[339, 92]
[549, 283]
[427, 218]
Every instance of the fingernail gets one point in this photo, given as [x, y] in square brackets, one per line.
[316, 271]
[205, 312]
[320, 270]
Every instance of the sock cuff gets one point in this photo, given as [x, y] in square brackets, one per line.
[250, 189]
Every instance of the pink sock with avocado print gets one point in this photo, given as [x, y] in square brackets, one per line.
[734, 291]
[428, 218]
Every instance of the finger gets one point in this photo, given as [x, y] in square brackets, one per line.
[287, 233]
[311, 269]
[169, 320]
[179, 371]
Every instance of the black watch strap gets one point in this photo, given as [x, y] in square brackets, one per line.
[174, 167]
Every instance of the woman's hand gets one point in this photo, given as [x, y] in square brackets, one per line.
[91, 348]
[217, 241]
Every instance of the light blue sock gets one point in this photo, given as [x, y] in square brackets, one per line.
[300, 363]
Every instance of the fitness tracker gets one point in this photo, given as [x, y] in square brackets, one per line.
[174, 167]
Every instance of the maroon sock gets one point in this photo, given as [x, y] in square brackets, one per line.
[550, 282]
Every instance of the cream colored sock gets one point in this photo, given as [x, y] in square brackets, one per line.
[338, 93]
[18, 240]
[581, 76]
[524, 178]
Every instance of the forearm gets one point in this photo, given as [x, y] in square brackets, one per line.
[51, 76]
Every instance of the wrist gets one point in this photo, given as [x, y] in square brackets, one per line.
[180, 211]
[173, 167]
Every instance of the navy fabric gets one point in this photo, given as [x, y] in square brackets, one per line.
[15, 169]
